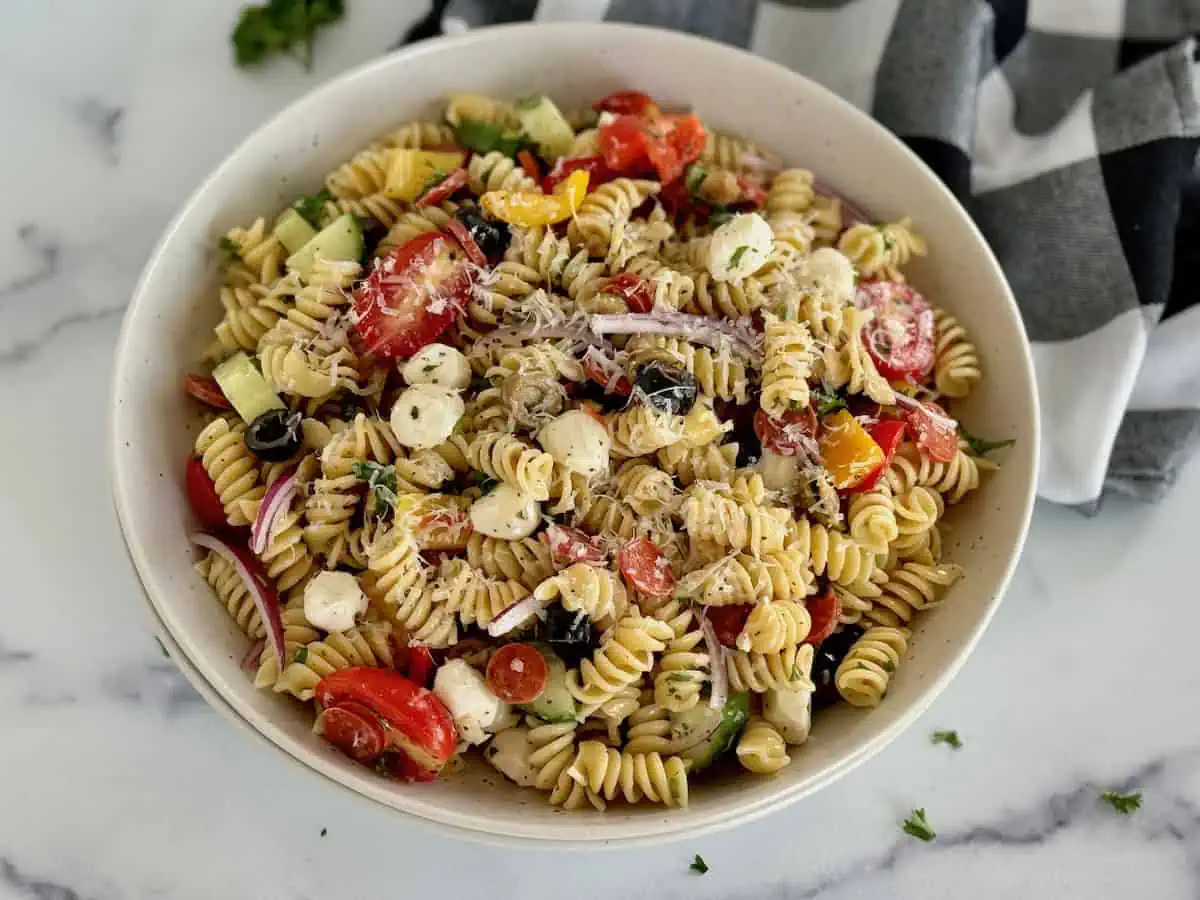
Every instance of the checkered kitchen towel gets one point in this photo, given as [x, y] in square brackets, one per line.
[1069, 130]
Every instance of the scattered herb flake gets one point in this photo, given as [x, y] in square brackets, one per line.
[381, 480]
[229, 247]
[827, 401]
[484, 137]
[946, 737]
[282, 26]
[719, 216]
[737, 256]
[162, 648]
[302, 655]
[1123, 803]
[694, 177]
[918, 826]
[982, 446]
[699, 866]
[310, 206]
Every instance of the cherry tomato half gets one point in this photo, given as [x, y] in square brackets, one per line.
[570, 545]
[517, 673]
[444, 189]
[633, 289]
[784, 435]
[461, 233]
[598, 172]
[203, 497]
[935, 433]
[646, 568]
[206, 390]
[621, 103]
[420, 666]
[900, 338]
[824, 610]
[354, 730]
[412, 296]
[622, 143]
[728, 622]
[621, 386]
[887, 434]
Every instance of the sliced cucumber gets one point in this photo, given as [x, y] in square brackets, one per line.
[555, 703]
[733, 717]
[341, 239]
[293, 230]
[244, 387]
[548, 128]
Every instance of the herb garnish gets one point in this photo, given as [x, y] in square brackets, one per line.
[302, 655]
[310, 206]
[1123, 803]
[918, 826]
[282, 26]
[827, 401]
[699, 866]
[737, 256]
[982, 446]
[381, 480]
[946, 737]
[229, 247]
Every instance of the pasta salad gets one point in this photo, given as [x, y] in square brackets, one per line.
[600, 444]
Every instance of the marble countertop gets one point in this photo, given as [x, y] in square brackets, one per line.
[119, 782]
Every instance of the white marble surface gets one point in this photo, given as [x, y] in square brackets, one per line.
[118, 782]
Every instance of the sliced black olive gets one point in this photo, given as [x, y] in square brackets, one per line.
[492, 237]
[828, 657]
[571, 634]
[609, 401]
[742, 417]
[666, 388]
[275, 435]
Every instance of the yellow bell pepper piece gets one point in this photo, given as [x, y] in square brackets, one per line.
[410, 170]
[848, 452]
[527, 209]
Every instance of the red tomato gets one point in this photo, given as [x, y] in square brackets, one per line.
[444, 189]
[517, 673]
[412, 296]
[206, 390]
[900, 338]
[646, 568]
[728, 622]
[632, 103]
[416, 723]
[935, 432]
[824, 610]
[598, 172]
[752, 194]
[622, 143]
[621, 386]
[785, 434]
[687, 138]
[203, 497]
[420, 665]
[570, 545]
[354, 730]
[529, 164]
[887, 434]
[462, 234]
[679, 201]
[634, 290]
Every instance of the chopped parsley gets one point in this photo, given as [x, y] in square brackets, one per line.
[699, 866]
[1123, 803]
[485, 481]
[720, 215]
[918, 826]
[302, 655]
[484, 137]
[982, 446]
[381, 480]
[438, 176]
[229, 247]
[310, 206]
[694, 177]
[827, 401]
[946, 737]
[737, 256]
[282, 26]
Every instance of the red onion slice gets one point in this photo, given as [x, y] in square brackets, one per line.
[740, 334]
[274, 503]
[253, 655]
[716, 656]
[515, 616]
[251, 572]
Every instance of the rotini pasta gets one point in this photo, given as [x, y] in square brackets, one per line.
[863, 676]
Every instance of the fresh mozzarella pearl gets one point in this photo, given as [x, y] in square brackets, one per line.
[475, 708]
[505, 513]
[790, 712]
[333, 601]
[425, 415]
[509, 752]
[577, 442]
[440, 365]
[740, 247]
[832, 271]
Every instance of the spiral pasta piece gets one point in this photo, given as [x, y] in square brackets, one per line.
[257, 255]
[608, 773]
[620, 661]
[366, 645]
[910, 468]
[286, 557]
[771, 627]
[709, 516]
[673, 287]
[848, 364]
[415, 222]
[507, 283]
[787, 364]
[605, 211]
[640, 430]
[909, 589]
[835, 555]
[714, 462]
[297, 634]
[956, 360]
[527, 560]
[607, 516]
[863, 675]
[761, 748]
[741, 578]
[731, 299]
[418, 136]
[221, 447]
[647, 489]
[496, 172]
[879, 251]
[737, 154]
[232, 592]
[328, 510]
[250, 312]
[916, 510]
[552, 747]
[684, 665]
[871, 518]
[364, 174]
[788, 670]
[510, 460]
[480, 108]
[648, 729]
[596, 592]
[474, 598]
[718, 374]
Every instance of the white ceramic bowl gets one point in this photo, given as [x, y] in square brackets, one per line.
[174, 307]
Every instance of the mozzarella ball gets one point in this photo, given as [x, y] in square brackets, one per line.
[476, 710]
[440, 365]
[740, 247]
[333, 601]
[425, 415]
[577, 442]
[509, 752]
[505, 513]
[790, 712]
[832, 272]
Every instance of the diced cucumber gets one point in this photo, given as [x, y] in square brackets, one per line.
[548, 128]
[411, 170]
[341, 239]
[244, 387]
[555, 703]
[293, 231]
[699, 718]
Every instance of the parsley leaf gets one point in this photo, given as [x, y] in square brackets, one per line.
[1123, 803]
[484, 137]
[381, 480]
[918, 826]
[162, 647]
[310, 206]
[229, 247]
[737, 256]
[946, 737]
[302, 655]
[282, 26]
[694, 177]
[699, 866]
[827, 401]
[981, 446]
[719, 216]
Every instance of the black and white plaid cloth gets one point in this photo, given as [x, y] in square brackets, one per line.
[1068, 128]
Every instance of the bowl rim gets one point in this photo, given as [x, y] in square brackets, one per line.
[459, 823]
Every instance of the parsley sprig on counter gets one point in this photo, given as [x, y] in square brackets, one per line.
[918, 826]
[282, 26]
[1123, 803]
